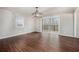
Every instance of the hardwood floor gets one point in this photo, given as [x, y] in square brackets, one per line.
[69, 44]
[36, 42]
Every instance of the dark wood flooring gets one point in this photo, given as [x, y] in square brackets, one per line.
[35, 42]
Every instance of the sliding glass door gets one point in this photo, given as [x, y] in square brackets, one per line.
[50, 24]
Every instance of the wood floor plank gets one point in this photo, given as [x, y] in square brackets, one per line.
[35, 42]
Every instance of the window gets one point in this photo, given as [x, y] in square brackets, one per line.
[19, 22]
[50, 23]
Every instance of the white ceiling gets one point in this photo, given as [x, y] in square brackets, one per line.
[44, 10]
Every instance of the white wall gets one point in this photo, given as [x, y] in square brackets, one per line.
[7, 24]
[77, 24]
[8, 28]
[66, 24]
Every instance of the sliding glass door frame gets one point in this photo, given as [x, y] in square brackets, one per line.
[51, 24]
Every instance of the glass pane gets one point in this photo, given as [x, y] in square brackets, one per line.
[50, 24]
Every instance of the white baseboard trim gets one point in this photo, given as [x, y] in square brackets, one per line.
[30, 32]
[68, 35]
[76, 37]
[14, 35]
